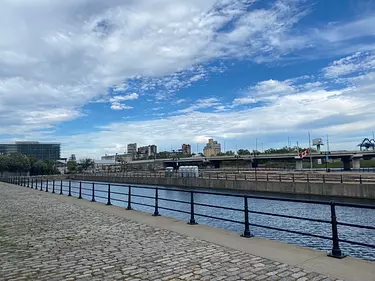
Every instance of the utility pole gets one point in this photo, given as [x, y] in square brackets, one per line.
[311, 164]
[288, 144]
[224, 147]
[256, 145]
[262, 148]
[373, 136]
[297, 148]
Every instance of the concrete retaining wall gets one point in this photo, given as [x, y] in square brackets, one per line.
[364, 191]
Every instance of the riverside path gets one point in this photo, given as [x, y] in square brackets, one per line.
[45, 236]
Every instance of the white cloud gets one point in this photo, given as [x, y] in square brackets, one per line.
[358, 62]
[64, 54]
[243, 101]
[201, 104]
[120, 106]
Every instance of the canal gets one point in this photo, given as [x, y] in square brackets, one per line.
[308, 210]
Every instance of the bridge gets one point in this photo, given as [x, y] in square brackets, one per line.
[350, 159]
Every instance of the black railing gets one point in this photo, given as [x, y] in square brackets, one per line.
[252, 175]
[128, 198]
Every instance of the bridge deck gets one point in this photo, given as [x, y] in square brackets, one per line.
[50, 237]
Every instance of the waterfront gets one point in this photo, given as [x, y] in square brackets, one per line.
[314, 211]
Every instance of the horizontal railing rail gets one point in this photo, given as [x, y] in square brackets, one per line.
[99, 190]
[251, 175]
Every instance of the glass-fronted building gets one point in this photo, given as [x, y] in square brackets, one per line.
[42, 151]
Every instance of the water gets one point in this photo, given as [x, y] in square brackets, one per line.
[316, 211]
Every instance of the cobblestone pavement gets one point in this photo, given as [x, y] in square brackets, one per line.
[43, 238]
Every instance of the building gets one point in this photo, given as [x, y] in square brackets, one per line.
[125, 158]
[186, 149]
[212, 148]
[72, 157]
[39, 150]
[132, 148]
[147, 151]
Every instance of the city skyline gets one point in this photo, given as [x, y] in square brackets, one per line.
[245, 73]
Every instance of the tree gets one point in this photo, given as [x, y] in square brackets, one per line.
[86, 163]
[4, 163]
[72, 166]
[243, 152]
[39, 168]
[19, 163]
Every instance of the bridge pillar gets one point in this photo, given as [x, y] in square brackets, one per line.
[216, 164]
[356, 163]
[299, 164]
[346, 162]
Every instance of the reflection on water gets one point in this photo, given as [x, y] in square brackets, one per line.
[344, 214]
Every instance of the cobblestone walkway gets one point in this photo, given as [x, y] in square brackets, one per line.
[42, 238]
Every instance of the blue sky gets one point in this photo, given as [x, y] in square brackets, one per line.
[96, 75]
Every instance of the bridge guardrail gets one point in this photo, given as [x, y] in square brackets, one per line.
[71, 188]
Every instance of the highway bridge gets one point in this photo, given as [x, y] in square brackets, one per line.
[351, 159]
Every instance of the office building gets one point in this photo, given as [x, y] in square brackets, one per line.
[212, 148]
[186, 149]
[132, 148]
[39, 150]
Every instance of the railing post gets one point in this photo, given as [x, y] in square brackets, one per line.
[336, 251]
[308, 180]
[93, 193]
[129, 207]
[80, 190]
[41, 185]
[61, 185]
[47, 185]
[32, 183]
[341, 178]
[360, 179]
[53, 186]
[293, 177]
[70, 188]
[267, 176]
[156, 212]
[28, 182]
[192, 219]
[280, 177]
[109, 195]
[36, 183]
[246, 233]
[324, 178]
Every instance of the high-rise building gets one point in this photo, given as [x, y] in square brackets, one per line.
[132, 148]
[147, 151]
[212, 148]
[186, 149]
[39, 150]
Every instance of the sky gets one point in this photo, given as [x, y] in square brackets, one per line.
[96, 75]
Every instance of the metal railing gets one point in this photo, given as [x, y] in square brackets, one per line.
[254, 175]
[66, 188]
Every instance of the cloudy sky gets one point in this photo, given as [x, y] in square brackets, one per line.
[96, 75]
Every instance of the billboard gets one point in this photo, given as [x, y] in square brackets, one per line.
[317, 141]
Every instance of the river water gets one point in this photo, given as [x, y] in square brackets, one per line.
[316, 211]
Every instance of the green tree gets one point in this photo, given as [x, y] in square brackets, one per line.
[4, 163]
[86, 163]
[19, 163]
[243, 152]
[72, 166]
[39, 168]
